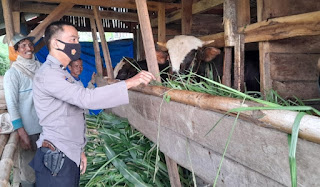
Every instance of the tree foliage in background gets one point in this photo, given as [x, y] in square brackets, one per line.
[4, 57]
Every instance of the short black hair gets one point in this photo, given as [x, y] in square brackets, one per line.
[70, 64]
[53, 29]
[16, 46]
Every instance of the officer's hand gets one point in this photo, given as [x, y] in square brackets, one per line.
[83, 164]
[24, 139]
[143, 77]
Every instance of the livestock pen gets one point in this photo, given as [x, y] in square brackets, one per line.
[285, 34]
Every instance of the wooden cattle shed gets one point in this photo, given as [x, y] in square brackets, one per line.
[286, 34]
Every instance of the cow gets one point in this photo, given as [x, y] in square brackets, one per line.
[188, 53]
[179, 55]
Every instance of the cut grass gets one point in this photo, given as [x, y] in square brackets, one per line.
[119, 155]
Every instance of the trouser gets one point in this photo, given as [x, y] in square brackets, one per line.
[26, 173]
[68, 176]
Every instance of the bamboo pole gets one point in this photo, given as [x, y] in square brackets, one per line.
[3, 141]
[104, 43]
[6, 162]
[147, 38]
[281, 120]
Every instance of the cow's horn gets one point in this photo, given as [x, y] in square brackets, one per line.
[207, 43]
[162, 46]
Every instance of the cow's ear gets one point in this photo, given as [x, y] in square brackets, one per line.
[161, 57]
[210, 53]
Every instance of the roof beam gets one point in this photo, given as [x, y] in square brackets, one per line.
[198, 7]
[130, 4]
[47, 9]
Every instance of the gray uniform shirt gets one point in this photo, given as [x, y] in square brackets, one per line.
[59, 104]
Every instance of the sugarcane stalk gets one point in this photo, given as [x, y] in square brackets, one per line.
[6, 162]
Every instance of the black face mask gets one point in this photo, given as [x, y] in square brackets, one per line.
[73, 51]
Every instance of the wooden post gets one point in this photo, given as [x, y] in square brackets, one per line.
[140, 49]
[55, 15]
[239, 63]
[96, 48]
[186, 16]
[147, 37]
[173, 172]
[162, 23]
[229, 20]
[243, 13]
[16, 18]
[264, 62]
[230, 29]
[8, 20]
[227, 64]
[104, 44]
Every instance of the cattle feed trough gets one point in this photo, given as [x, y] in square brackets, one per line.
[258, 151]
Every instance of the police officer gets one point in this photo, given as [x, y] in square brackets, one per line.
[59, 105]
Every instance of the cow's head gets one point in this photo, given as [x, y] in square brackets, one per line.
[188, 51]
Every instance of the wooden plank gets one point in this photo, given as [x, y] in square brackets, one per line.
[147, 37]
[294, 67]
[173, 172]
[239, 63]
[197, 8]
[104, 44]
[8, 19]
[162, 23]
[264, 64]
[243, 13]
[186, 19]
[227, 64]
[252, 153]
[130, 4]
[230, 22]
[96, 47]
[284, 27]
[300, 89]
[46, 9]
[275, 29]
[55, 15]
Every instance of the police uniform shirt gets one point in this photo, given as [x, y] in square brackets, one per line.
[59, 104]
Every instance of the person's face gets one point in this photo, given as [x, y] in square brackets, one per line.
[26, 49]
[76, 68]
[68, 35]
